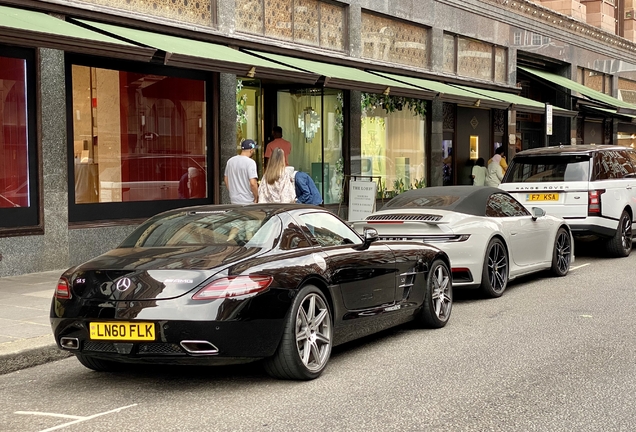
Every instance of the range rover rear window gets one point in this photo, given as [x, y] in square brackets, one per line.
[553, 168]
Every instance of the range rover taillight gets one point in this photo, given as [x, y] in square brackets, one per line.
[594, 202]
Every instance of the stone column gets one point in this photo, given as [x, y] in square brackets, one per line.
[227, 131]
[435, 147]
[54, 251]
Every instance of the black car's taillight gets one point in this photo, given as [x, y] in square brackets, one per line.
[234, 286]
[594, 202]
[63, 289]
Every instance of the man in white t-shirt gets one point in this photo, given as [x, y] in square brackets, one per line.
[241, 175]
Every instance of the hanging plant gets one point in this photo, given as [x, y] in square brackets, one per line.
[241, 105]
[339, 114]
[371, 101]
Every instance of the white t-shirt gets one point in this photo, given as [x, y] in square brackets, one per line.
[239, 170]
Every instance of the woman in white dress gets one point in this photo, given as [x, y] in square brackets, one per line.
[277, 185]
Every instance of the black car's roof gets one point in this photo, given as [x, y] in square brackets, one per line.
[568, 149]
[470, 199]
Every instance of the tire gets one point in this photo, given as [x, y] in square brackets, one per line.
[98, 365]
[562, 253]
[305, 347]
[438, 298]
[620, 245]
[494, 277]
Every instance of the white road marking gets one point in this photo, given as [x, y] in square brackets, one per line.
[49, 414]
[578, 267]
[77, 419]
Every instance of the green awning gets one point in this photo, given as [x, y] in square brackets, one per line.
[346, 77]
[618, 104]
[448, 92]
[520, 103]
[610, 112]
[36, 29]
[195, 54]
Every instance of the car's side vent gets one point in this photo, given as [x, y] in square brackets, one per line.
[406, 217]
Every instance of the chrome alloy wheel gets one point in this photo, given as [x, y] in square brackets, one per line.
[626, 233]
[313, 332]
[441, 292]
[497, 267]
[563, 251]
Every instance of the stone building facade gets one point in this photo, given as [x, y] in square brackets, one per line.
[115, 110]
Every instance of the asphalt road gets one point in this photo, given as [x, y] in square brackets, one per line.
[550, 355]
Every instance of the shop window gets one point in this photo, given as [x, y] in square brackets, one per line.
[394, 41]
[393, 143]
[312, 120]
[18, 169]
[136, 137]
[310, 22]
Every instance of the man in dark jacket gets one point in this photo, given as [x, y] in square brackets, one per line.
[306, 190]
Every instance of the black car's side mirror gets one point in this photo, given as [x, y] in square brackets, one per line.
[537, 212]
[369, 236]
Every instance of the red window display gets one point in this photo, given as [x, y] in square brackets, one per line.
[137, 136]
[14, 160]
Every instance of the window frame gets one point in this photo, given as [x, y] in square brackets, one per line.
[127, 212]
[27, 220]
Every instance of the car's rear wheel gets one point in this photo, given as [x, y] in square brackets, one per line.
[305, 348]
[97, 364]
[621, 244]
[438, 299]
[562, 254]
[494, 277]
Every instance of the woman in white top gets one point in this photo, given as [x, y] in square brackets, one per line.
[479, 173]
[277, 185]
[495, 172]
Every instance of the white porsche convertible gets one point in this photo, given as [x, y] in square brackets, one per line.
[489, 236]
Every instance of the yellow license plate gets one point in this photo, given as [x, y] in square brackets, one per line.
[127, 331]
[542, 197]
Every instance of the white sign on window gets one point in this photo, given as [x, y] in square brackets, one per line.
[361, 199]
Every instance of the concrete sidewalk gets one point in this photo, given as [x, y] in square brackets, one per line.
[26, 338]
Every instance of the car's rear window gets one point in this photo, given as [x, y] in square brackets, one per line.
[554, 168]
[227, 228]
[404, 201]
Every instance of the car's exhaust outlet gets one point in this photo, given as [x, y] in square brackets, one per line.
[197, 347]
[69, 343]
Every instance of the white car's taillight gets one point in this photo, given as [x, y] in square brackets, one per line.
[594, 202]
[234, 286]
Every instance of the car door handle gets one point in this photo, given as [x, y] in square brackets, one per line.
[513, 232]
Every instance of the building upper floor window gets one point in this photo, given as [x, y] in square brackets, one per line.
[475, 59]
[18, 151]
[200, 12]
[310, 22]
[598, 81]
[394, 41]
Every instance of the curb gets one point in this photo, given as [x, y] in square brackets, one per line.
[15, 356]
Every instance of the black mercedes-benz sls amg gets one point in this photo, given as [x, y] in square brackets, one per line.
[226, 284]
